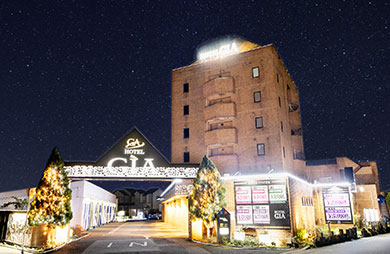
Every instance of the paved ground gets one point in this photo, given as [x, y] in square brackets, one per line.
[157, 237]
[5, 250]
[377, 244]
[144, 237]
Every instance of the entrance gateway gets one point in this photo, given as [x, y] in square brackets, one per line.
[133, 157]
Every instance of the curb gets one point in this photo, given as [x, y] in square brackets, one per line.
[236, 248]
[297, 251]
[45, 251]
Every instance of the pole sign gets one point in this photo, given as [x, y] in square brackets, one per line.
[264, 203]
[337, 205]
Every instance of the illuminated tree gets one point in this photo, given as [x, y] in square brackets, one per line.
[51, 204]
[208, 194]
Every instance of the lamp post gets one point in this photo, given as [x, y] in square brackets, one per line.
[28, 208]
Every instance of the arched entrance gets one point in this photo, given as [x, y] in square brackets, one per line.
[134, 158]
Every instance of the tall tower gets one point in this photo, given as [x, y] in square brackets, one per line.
[237, 104]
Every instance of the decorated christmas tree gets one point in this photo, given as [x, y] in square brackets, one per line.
[51, 204]
[208, 194]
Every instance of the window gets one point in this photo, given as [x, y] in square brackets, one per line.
[281, 126]
[186, 132]
[259, 122]
[260, 149]
[257, 96]
[284, 152]
[277, 77]
[255, 72]
[186, 110]
[186, 156]
[185, 88]
[280, 103]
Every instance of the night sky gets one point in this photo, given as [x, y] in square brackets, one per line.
[79, 74]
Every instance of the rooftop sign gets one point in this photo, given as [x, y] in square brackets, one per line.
[222, 51]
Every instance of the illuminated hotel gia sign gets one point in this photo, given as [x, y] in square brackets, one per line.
[222, 51]
[131, 146]
[131, 157]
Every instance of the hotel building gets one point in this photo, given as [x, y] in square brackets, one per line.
[242, 110]
[238, 104]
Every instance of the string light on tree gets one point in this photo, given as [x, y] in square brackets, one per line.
[208, 194]
[51, 204]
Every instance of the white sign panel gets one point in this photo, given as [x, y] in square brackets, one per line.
[338, 213]
[277, 193]
[260, 194]
[243, 195]
[244, 215]
[336, 199]
[261, 214]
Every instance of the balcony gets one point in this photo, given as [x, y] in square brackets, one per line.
[219, 110]
[220, 136]
[218, 86]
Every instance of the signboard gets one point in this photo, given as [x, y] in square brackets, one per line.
[133, 156]
[260, 194]
[280, 215]
[336, 199]
[223, 50]
[264, 203]
[243, 195]
[337, 205]
[244, 214]
[338, 213]
[261, 214]
[277, 193]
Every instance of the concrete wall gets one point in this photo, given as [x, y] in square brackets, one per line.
[91, 205]
[176, 212]
[6, 197]
[365, 197]
[302, 205]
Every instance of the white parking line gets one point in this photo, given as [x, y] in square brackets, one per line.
[140, 244]
[116, 229]
[109, 245]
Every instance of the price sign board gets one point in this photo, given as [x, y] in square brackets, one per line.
[277, 193]
[260, 194]
[261, 214]
[244, 214]
[243, 195]
[263, 203]
[337, 205]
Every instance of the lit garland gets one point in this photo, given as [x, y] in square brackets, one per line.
[51, 204]
[208, 194]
